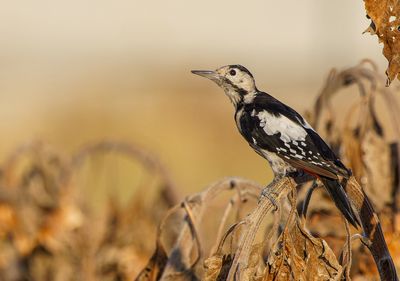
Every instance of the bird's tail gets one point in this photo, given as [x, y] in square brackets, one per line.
[341, 200]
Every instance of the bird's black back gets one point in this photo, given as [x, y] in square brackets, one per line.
[256, 136]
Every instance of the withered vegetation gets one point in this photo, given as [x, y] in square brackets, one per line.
[50, 230]
[385, 23]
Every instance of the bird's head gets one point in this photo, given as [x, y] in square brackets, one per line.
[237, 82]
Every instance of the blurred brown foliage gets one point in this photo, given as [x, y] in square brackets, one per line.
[48, 229]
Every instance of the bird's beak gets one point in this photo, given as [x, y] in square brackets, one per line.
[210, 74]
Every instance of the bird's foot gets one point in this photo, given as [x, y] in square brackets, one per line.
[270, 194]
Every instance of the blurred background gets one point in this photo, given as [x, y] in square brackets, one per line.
[76, 71]
[97, 96]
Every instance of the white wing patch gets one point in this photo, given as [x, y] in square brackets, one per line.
[289, 130]
[293, 136]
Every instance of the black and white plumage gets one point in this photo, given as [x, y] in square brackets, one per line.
[281, 135]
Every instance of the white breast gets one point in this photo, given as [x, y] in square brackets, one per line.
[278, 165]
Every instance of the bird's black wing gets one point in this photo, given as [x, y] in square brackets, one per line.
[269, 125]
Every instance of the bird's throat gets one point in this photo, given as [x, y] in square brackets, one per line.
[237, 96]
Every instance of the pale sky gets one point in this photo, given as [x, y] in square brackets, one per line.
[167, 32]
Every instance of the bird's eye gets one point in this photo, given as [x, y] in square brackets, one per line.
[232, 72]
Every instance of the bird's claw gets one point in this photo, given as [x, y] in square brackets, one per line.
[266, 192]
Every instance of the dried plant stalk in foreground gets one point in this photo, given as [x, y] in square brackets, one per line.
[185, 255]
[295, 255]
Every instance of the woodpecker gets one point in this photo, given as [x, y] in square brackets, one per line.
[281, 135]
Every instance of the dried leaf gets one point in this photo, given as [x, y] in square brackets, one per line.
[378, 180]
[255, 260]
[297, 255]
[155, 266]
[385, 17]
[212, 267]
[217, 267]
